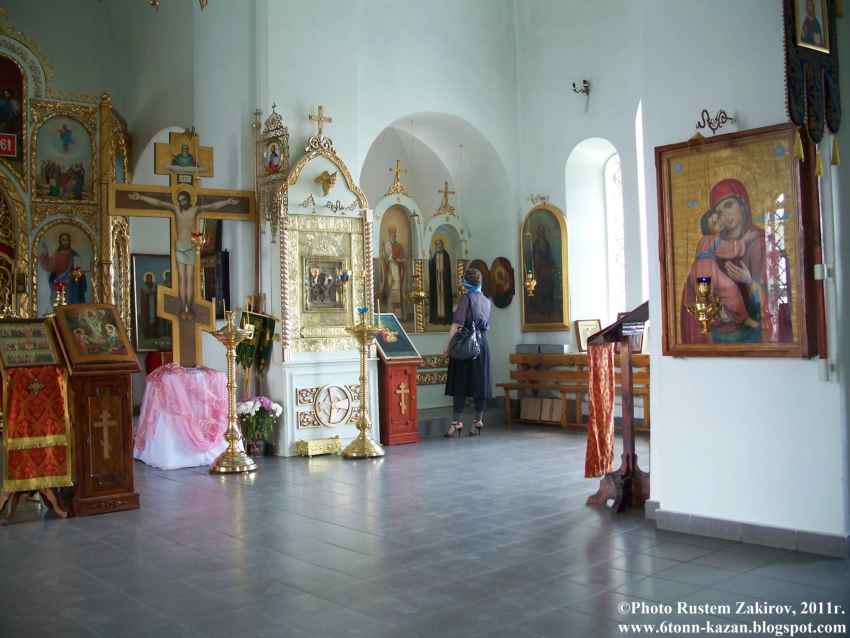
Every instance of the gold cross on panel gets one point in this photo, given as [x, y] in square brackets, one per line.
[105, 424]
[320, 119]
[402, 391]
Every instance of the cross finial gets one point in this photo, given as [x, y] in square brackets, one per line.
[320, 119]
[398, 170]
[397, 187]
[274, 106]
[445, 207]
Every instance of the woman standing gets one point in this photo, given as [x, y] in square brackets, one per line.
[470, 377]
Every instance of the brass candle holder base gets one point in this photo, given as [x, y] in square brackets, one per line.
[363, 447]
[232, 462]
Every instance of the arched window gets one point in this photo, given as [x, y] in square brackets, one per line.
[615, 235]
[594, 189]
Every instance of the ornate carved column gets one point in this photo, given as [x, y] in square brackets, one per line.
[107, 159]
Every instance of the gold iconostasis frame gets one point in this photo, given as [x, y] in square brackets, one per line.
[343, 235]
[44, 195]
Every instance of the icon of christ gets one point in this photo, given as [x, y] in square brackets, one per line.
[186, 218]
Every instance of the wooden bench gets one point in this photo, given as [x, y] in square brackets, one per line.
[566, 375]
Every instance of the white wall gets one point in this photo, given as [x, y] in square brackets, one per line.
[156, 74]
[76, 40]
[750, 440]
[559, 43]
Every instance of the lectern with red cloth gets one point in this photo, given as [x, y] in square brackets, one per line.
[37, 450]
[628, 485]
[100, 361]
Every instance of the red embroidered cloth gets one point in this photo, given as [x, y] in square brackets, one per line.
[599, 458]
[38, 453]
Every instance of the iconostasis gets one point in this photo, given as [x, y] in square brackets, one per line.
[58, 153]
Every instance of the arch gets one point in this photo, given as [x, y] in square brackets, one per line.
[431, 145]
[423, 169]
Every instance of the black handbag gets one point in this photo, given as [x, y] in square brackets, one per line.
[466, 342]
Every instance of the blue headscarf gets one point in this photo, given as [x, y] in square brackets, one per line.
[471, 287]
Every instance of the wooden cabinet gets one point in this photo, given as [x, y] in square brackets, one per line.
[399, 418]
[102, 421]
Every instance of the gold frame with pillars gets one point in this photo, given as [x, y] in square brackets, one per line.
[564, 325]
[357, 226]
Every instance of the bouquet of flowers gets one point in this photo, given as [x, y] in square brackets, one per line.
[257, 418]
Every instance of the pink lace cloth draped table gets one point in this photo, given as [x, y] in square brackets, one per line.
[183, 417]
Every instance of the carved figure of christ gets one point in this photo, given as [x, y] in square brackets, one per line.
[186, 222]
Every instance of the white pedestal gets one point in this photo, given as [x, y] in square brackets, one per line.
[318, 392]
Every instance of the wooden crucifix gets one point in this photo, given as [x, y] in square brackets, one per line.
[186, 204]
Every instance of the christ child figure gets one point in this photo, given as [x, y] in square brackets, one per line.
[186, 217]
[711, 248]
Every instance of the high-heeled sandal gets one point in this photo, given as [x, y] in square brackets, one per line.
[477, 427]
[455, 428]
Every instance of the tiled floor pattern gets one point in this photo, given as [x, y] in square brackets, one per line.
[483, 536]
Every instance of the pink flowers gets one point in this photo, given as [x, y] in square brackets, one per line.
[250, 408]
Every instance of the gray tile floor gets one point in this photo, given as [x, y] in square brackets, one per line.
[472, 537]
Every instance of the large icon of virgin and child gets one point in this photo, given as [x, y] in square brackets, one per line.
[748, 270]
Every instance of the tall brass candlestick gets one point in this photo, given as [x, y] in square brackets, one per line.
[232, 460]
[363, 447]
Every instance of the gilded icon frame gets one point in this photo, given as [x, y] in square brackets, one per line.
[109, 314]
[47, 338]
[525, 245]
[762, 162]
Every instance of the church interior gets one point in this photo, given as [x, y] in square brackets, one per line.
[451, 318]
